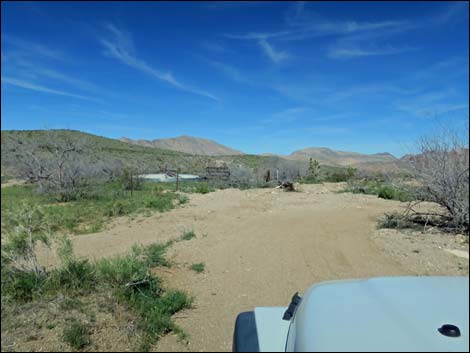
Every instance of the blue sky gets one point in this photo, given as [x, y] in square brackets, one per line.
[257, 76]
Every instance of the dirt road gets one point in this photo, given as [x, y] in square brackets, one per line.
[259, 247]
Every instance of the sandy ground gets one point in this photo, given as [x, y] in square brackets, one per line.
[261, 246]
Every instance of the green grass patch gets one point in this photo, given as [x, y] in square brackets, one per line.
[76, 334]
[198, 268]
[71, 304]
[203, 188]
[90, 213]
[75, 276]
[154, 254]
[127, 279]
[21, 286]
[188, 235]
[328, 174]
[381, 189]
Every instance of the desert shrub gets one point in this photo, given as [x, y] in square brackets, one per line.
[387, 192]
[130, 179]
[203, 188]
[442, 168]
[337, 177]
[156, 314]
[127, 277]
[74, 276]
[310, 180]
[158, 189]
[59, 165]
[395, 221]
[161, 204]
[313, 169]
[142, 292]
[117, 208]
[198, 268]
[76, 334]
[21, 286]
[390, 192]
[383, 190]
[119, 271]
[188, 235]
[85, 215]
[173, 301]
[182, 199]
[27, 227]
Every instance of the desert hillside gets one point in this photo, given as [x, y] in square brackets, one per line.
[187, 144]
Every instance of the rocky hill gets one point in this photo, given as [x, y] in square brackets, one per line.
[187, 144]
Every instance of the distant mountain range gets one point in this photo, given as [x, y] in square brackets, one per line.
[187, 144]
[200, 146]
[343, 158]
[165, 154]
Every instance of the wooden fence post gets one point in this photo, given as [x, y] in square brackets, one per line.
[177, 179]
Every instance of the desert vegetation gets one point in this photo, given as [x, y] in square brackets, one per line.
[442, 170]
[198, 267]
[125, 281]
[440, 174]
[90, 212]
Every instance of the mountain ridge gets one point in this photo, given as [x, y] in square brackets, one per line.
[202, 146]
[187, 144]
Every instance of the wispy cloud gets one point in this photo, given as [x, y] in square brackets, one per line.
[273, 54]
[353, 38]
[72, 81]
[257, 35]
[307, 25]
[29, 68]
[26, 67]
[33, 49]
[354, 52]
[429, 104]
[366, 90]
[121, 48]
[38, 88]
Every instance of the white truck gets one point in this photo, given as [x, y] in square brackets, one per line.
[374, 315]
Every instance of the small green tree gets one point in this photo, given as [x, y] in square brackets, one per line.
[351, 172]
[130, 179]
[313, 169]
